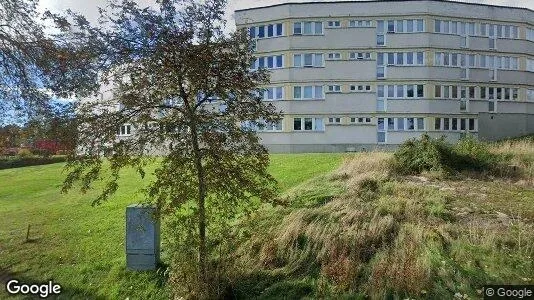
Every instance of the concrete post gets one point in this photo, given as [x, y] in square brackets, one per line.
[142, 237]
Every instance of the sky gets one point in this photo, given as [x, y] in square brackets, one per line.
[89, 8]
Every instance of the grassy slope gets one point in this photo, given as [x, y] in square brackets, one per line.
[396, 236]
[82, 247]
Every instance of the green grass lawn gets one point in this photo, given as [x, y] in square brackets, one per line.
[82, 247]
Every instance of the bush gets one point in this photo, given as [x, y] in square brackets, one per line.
[424, 154]
[436, 155]
[23, 153]
[20, 162]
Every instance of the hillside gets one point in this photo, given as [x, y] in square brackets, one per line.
[365, 231]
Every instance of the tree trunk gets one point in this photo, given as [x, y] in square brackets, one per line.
[202, 255]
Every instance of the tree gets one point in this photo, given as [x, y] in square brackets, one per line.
[36, 66]
[186, 89]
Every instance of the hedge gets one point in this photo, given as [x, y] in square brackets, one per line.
[19, 162]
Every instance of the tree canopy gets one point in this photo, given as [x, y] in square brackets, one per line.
[36, 66]
[185, 90]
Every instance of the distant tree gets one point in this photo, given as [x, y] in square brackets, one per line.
[10, 137]
[36, 66]
[188, 94]
[54, 130]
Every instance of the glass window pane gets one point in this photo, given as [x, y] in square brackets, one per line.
[380, 26]
[391, 91]
[318, 28]
[400, 58]
[409, 58]
[409, 26]
[297, 60]
[297, 92]
[319, 92]
[297, 28]
[261, 31]
[409, 91]
[400, 124]
[308, 92]
[308, 124]
[420, 124]
[307, 27]
[297, 124]
[420, 25]
[279, 28]
[380, 123]
[391, 124]
[410, 125]
[420, 58]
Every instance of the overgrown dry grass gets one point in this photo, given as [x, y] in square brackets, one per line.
[385, 235]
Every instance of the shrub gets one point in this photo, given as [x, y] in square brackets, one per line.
[424, 154]
[23, 153]
[435, 155]
[19, 162]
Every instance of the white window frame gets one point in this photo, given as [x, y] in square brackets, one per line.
[125, 130]
[314, 124]
[333, 24]
[334, 56]
[299, 60]
[314, 92]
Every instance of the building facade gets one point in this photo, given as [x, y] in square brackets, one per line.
[360, 75]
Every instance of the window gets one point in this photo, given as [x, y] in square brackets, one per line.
[334, 88]
[360, 23]
[334, 56]
[391, 26]
[437, 26]
[380, 72]
[410, 91]
[269, 62]
[360, 55]
[391, 124]
[446, 124]
[491, 106]
[400, 124]
[420, 91]
[274, 126]
[471, 124]
[462, 124]
[334, 120]
[437, 124]
[308, 28]
[308, 60]
[530, 95]
[483, 92]
[360, 88]
[380, 40]
[471, 92]
[400, 58]
[279, 29]
[297, 28]
[273, 93]
[420, 58]
[420, 124]
[124, 130]
[410, 123]
[437, 91]
[308, 92]
[308, 124]
[400, 25]
[334, 24]
[381, 124]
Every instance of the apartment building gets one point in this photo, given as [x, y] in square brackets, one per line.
[355, 75]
